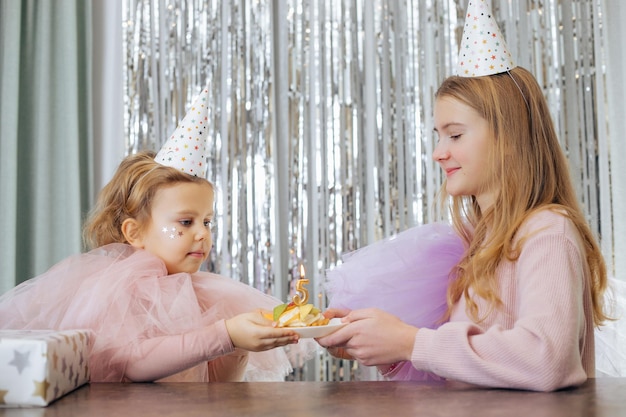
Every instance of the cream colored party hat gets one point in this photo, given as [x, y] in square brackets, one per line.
[186, 149]
[483, 49]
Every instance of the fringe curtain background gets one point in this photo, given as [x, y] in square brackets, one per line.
[321, 116]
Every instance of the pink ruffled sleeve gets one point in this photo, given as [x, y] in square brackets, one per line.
[158, 357]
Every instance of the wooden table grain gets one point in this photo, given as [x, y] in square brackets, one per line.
[604, 397]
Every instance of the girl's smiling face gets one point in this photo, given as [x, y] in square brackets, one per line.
[180, 228]
[463, 150]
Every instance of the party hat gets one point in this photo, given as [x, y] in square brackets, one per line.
[186, 149]
[483, 49]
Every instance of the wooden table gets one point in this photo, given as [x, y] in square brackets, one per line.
[600, 397]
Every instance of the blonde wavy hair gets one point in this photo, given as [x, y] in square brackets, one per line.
[129, 194]
[529, 173]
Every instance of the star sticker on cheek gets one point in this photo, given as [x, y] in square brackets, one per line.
[171, 232]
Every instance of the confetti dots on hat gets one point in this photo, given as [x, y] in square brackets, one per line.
[483, 49]
[186, 149]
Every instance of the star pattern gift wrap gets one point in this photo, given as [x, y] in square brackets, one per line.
[39, 366]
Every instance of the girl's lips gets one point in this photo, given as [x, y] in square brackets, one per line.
[450, 171]
[196, 254]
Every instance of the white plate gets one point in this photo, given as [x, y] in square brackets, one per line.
[319, 331]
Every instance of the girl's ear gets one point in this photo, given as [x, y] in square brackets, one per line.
[132, 233]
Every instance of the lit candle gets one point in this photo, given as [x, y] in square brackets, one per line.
[302, 294]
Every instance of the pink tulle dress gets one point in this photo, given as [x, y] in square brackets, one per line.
[406, 275]
[125, 296]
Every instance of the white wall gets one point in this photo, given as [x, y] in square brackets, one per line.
[615, 30]
[108, 108]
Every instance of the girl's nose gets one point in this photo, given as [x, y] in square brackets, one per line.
[440, 153]
[202, 233]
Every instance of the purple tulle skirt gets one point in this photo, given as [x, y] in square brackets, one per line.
[406, 275]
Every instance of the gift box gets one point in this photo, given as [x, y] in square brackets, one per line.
[39, 366]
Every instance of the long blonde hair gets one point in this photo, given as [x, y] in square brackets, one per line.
[530, 173]
[129, 194]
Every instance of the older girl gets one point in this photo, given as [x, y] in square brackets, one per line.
[528, 290]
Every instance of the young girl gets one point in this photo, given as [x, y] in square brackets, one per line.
[527, 291]
[155, 316]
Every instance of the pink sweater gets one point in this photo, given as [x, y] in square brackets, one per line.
[542, 339]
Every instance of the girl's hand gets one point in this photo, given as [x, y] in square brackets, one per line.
[253, 332]
[339, 353]
[331, 313]
[372, 337]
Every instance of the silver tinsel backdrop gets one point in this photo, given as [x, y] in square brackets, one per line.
[321, 116]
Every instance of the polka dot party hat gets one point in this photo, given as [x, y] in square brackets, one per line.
[483, 49]
[186, 149]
